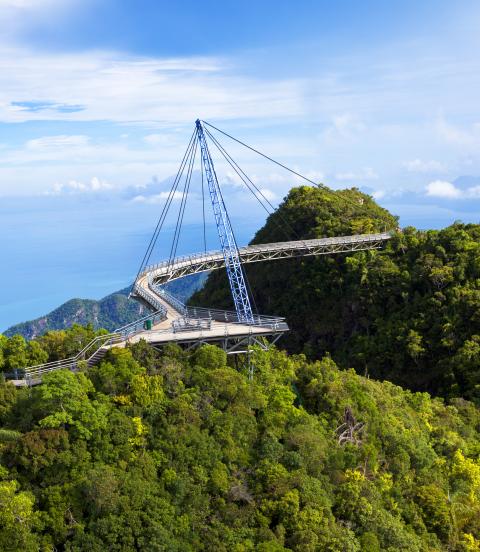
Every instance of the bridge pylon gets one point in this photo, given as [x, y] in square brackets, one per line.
[228, 243]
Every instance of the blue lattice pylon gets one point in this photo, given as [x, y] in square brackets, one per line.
[228, 244]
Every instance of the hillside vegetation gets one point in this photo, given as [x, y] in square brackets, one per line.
[409, 313]
[111, 312]
[179, 452]
[176, 452]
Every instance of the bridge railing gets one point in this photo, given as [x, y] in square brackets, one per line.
[205, 327]
[190, 259]
[153, 301]
[201, 313]
[191, 324]
[316, 242]
[33, 372]
[228, 316]
[90, 349]
[168, 297]
[139, 325]
[199, 320]
[195, 258]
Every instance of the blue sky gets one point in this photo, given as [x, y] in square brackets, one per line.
[98, 99]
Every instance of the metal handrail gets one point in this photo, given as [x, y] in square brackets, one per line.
[306, 244]
[79, 354]
[191, 324]
[131, 328]
[277, 324]
[168, 297]
[229, 316]
[101, 340]
[196, 319]
[150, 300]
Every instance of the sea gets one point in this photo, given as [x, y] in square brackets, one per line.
[54, 248]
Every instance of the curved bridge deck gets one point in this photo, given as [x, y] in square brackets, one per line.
[172, 321]
[145, 287]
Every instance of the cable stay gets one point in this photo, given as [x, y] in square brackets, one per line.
[250, 184]
[183, 202]
[296, 173]
[181, 188]
[166, 207]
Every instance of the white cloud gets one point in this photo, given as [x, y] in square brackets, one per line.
[466, 137]
[232, 179]
[156, 139]
[345, 126]
[76, 187]
[56, 142]
[157, 198]
[419, 166]
[161, 97]
[77, 157]
[315, 176]
[473, 192]
[378, 194]
[268, 194]
[21, 14]
[346, 123]
[101, 86]
[444, 189]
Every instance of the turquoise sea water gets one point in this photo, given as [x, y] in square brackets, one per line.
[53, 250]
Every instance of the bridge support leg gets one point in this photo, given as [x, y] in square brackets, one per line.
[251, 367]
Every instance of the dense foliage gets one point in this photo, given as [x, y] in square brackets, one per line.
[178, 451]
[169, 452]
[409, 313]
[111, 312]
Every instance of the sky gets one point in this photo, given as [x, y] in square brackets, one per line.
[98, 100]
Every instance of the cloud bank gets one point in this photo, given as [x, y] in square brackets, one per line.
[97, 86]
[444, 189]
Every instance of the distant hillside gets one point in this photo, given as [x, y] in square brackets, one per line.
[111, 312]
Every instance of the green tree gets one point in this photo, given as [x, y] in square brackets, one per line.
[63, 400]
[15, 352]
[3, 343]
[17, 518]
[36, 354]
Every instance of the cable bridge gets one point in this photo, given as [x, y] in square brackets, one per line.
[170, 321]
[191, 326]
[145, 287]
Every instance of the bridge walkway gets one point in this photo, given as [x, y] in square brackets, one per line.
[172, 322]
[146, 287]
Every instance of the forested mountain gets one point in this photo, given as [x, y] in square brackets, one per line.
[181, 452]
[111, 312]
[409, 313]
